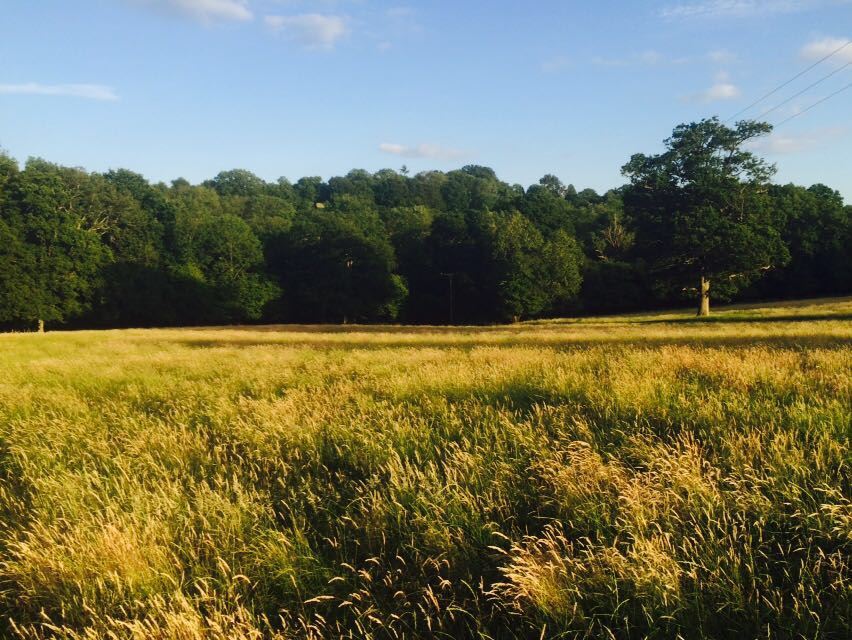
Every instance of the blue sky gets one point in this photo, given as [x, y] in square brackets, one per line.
[289, 88]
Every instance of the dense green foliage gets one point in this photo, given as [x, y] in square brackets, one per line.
[84, 249]
[626, 478]
[701, 209]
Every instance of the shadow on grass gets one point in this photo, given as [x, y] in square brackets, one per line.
[356, 328]
[826, 341]
[733, 319]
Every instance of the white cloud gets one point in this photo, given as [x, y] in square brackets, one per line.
[786, 143]
[736, 8]
[721, 89]
[650, 57]
[400, 12]
[395, 25]
[643, 58]
[90, 91]
[559, 63]
[208, 10]
[817, 49]
[312, 30]
[721, 56]
[653, 58]
[422, 151]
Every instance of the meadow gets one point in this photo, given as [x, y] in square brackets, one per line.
[651, 476]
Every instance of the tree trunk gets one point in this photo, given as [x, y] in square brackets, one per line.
[704, 306]
[40, 325]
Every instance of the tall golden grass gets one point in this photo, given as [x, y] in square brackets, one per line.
[627, 477]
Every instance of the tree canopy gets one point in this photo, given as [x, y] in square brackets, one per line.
[87, 249]
[701, 209]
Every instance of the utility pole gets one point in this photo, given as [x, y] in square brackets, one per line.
[450, 278]
[348, 262]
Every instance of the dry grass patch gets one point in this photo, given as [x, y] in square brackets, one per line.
[627, 477]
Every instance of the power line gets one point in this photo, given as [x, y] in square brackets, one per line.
[818, 102]
[795, 77]
[810, 86]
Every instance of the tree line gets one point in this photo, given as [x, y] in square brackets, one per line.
[701, 218]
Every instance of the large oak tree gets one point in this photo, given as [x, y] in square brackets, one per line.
[701, 211]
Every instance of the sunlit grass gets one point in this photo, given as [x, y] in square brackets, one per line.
[629, 477]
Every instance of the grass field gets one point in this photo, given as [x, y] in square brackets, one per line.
[625, 477]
